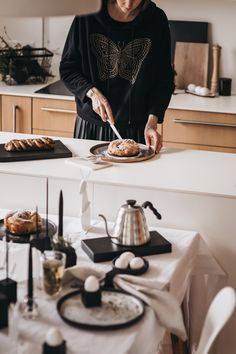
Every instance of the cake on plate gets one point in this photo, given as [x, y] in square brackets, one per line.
[123, 148]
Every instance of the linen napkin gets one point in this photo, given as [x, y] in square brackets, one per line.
[88, 163]
[151, 292]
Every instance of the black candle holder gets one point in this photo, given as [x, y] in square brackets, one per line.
[58, 349]
[8, 286]
[3, 311]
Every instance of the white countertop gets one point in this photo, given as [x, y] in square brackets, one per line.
[29, 91]
[191, 171]
[220, 104]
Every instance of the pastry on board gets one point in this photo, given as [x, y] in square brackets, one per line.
[20, 222]
[123, 148]
[35, 144]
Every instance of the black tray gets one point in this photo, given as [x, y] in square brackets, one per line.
[59, 151]
[102, 249]
[52, 229]
[70, 307]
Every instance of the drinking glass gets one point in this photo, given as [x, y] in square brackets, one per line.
[53, 264]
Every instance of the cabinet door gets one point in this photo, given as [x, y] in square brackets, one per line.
[16, 114]
[53, 117]
[200, 130]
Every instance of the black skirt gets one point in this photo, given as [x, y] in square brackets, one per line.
[87, 130]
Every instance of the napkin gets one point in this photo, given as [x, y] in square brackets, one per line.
[88, 163]
[85, 212]
[151, 292]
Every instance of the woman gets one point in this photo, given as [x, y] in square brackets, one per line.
[117, 64]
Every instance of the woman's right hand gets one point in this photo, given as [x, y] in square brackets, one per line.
[100, 105]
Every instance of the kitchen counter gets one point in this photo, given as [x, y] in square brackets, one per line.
[192, 189]
[191, 171]
[29, 91]
[220, 104]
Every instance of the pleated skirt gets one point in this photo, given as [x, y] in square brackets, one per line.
[87, 130]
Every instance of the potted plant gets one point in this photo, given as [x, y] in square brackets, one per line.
[62, 245]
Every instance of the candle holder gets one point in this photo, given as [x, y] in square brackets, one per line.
[3, 311]
[8, 286]
[29, 308]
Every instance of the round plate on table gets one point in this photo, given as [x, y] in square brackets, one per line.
[52, 229]
[101, 149]
[118, 309]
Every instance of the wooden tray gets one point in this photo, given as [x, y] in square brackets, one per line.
[196, 94]
[59, 151]
[102, 249]
[101, 150]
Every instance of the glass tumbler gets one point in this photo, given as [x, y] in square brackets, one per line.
[53, 264]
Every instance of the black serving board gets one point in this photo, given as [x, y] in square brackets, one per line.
[59, 151]
[102, 249]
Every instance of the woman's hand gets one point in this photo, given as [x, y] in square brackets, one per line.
[100, 105]
[152, 138]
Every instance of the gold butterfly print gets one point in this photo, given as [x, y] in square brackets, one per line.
[120, 59]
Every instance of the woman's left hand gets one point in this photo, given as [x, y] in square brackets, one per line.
[152, 138]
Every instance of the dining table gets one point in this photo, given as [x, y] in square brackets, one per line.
[189, 273]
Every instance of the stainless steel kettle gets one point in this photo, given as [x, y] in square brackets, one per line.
[131, 228]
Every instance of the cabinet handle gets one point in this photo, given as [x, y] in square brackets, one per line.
[183, 121]
[58, 110]
[14, 109]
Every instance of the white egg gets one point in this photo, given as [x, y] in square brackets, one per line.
[127, 255]
[198, 89]
[121, 263]
[204, 91]
[91, 284]
[191, 87]
[136, 263]
[54, 337]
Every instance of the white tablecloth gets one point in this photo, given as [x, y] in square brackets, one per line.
[187, 265]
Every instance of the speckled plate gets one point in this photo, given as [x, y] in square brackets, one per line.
[101, 150]
[118, 309]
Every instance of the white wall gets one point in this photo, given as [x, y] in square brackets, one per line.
[219, 13]
[221, 17]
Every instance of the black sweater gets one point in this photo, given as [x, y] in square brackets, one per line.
[129, 62]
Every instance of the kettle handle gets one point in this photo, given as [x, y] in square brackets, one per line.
[154, 210]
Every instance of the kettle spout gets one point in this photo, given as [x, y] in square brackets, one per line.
[106, 228]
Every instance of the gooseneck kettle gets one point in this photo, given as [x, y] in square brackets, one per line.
[130, 228]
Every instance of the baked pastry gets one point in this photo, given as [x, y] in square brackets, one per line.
[20, 222]
[123, 147]
[43, 143]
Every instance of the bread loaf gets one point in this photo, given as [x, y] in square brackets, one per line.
[43, 143]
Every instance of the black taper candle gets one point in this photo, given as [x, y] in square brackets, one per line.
[60, 221]
[30, 275]
[37, 223]
[7, 255]
[47, 208]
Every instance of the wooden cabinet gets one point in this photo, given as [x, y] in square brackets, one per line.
[16, 114]
[200, 130]
[54, 117]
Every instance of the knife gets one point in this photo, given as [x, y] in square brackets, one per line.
[115, 130]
